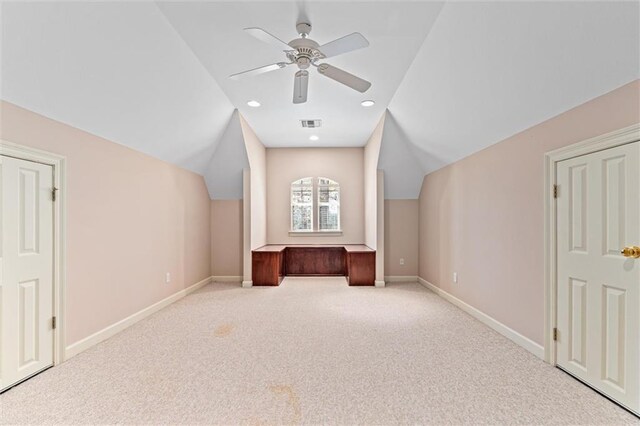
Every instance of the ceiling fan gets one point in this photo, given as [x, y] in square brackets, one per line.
[305, 53]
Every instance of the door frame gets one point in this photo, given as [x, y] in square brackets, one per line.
[59, 164]
[599, 143]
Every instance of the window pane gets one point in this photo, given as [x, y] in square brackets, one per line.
[301, 195]
[301, 217]
[325, 181]
[328, 205]
[302, 204]
[328, 219]
[326, 194]
[323, 195]
[304, 182]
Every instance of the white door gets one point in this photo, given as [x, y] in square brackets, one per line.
[598, 316]
[26, 269]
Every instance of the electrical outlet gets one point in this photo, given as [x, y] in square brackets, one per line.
[402, 261]
[167, 278]
[455, 277]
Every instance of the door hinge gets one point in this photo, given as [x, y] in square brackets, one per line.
[54, 192]
[555, 191]
[53, 323]
[555, 334]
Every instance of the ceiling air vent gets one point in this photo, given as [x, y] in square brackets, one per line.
[311, 123]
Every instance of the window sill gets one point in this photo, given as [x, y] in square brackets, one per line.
[315, 233]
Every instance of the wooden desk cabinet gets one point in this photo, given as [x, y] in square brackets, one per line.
[361, 268]
[266, 267]
[272, 262]
[314, 261]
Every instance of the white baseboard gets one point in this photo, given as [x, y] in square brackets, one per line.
[379, 283]
[247, 284]
[401, 279]
[99, 336]
[226, 278]
[507, 332]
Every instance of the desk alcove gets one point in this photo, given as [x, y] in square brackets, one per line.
[271, 263]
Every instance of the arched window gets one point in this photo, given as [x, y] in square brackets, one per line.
[315, 213]
[328, 205]
[302, 204]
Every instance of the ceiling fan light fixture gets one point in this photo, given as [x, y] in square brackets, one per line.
[367, 103]
[313, 138]
[253, 104]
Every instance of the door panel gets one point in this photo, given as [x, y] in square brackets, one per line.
[614, 205]
[578, 327]
[614, 336]
[578, 176]
[28, 323]
[28, 205]
[26, 269]
[598, 214]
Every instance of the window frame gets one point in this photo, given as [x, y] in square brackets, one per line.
[315, 208]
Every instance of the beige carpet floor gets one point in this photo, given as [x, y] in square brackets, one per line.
[311, 351]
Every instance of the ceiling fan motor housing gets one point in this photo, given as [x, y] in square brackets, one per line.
[305, 53]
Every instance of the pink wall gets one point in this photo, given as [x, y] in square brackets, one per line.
[130, 219]
[371, 154]
[256, 153]
[483, 216]
[344, 165]
[401, 238]
[226, 238]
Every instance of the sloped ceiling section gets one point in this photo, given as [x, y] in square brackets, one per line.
[456, 78]
[400, 161]
[114, 69]
[488, 70]
[224, 174]
[395, 30]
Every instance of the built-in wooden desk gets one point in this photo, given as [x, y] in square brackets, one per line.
[271, 263]
[267, 265]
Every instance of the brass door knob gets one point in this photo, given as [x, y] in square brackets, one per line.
[631, 251]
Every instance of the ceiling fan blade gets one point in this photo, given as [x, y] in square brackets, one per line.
[300, 87]
[268, 38]
[341, 76]
[344, 44]
[258, 70]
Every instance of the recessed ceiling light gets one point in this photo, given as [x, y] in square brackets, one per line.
[253, 104]
[367, 103]
[313, 138]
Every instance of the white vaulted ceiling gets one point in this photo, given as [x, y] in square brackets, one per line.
[117, 70]
[395, 32]
[455, 77]
[489, 70]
